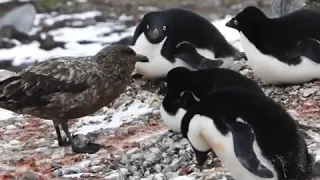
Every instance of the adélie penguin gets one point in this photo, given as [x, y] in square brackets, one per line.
[160, 32]
[273, 45]
[253, 136]
[200, 83]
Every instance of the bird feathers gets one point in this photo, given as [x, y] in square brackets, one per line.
[35, 86]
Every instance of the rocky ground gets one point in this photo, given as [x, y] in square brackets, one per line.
[142, 147]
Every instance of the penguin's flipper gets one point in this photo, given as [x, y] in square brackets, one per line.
[243, 138]
[239, 56]
[188, 53]
[309, 48]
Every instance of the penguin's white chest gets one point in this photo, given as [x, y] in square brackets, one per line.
[273, 71]
[172, 122]
[158, 66]
[223, 147]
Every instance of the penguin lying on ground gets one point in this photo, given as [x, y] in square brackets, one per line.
[160, 32]
[200, 83]
[253, 136]
[274, 46]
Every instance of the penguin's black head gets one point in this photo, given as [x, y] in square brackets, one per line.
[155, 27]
[176, 81]
[247, 18]
[188, 99]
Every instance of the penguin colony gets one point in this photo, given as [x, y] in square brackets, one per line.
[214, 108]
[220, 110]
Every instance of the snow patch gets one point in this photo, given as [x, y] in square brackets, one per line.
[184, 178]
[124, 114]
[231, 35]
[5, 114]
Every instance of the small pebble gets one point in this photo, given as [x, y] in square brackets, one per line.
[309, 91]
[28, 175]
[81, 140]
[158, 168]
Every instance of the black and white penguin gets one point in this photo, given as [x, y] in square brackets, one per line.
[272, 44]
[160, 32]
[200, 83]
[253, 136]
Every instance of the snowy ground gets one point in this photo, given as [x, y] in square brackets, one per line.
[136, 144]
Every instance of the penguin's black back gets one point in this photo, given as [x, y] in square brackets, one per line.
[276, 132]
[201, 82]
[192, 27]
[280, 36]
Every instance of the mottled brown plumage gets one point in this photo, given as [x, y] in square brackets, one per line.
[70, 87]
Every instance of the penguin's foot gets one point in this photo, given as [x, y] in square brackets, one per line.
[91, 148]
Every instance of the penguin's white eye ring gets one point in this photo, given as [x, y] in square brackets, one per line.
[147, 26]
[164, 28]
[165, 84]
[235, 22]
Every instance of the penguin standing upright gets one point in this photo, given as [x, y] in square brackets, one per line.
[200, 83]
[253, 136]
[160, 32]
[277, 49]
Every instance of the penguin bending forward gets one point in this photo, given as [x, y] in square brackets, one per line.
[160, 32]
[283, 50]
[253, 136]
[200, 83]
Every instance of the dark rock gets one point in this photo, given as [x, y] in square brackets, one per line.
[125, 41]
[86, 42]
[48, 43]
[55, 166]
[81, 140]
[6, 44]
[100, 18]
[11, 32]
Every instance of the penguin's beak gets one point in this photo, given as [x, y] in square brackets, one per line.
[231, 24]
[154, 34]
